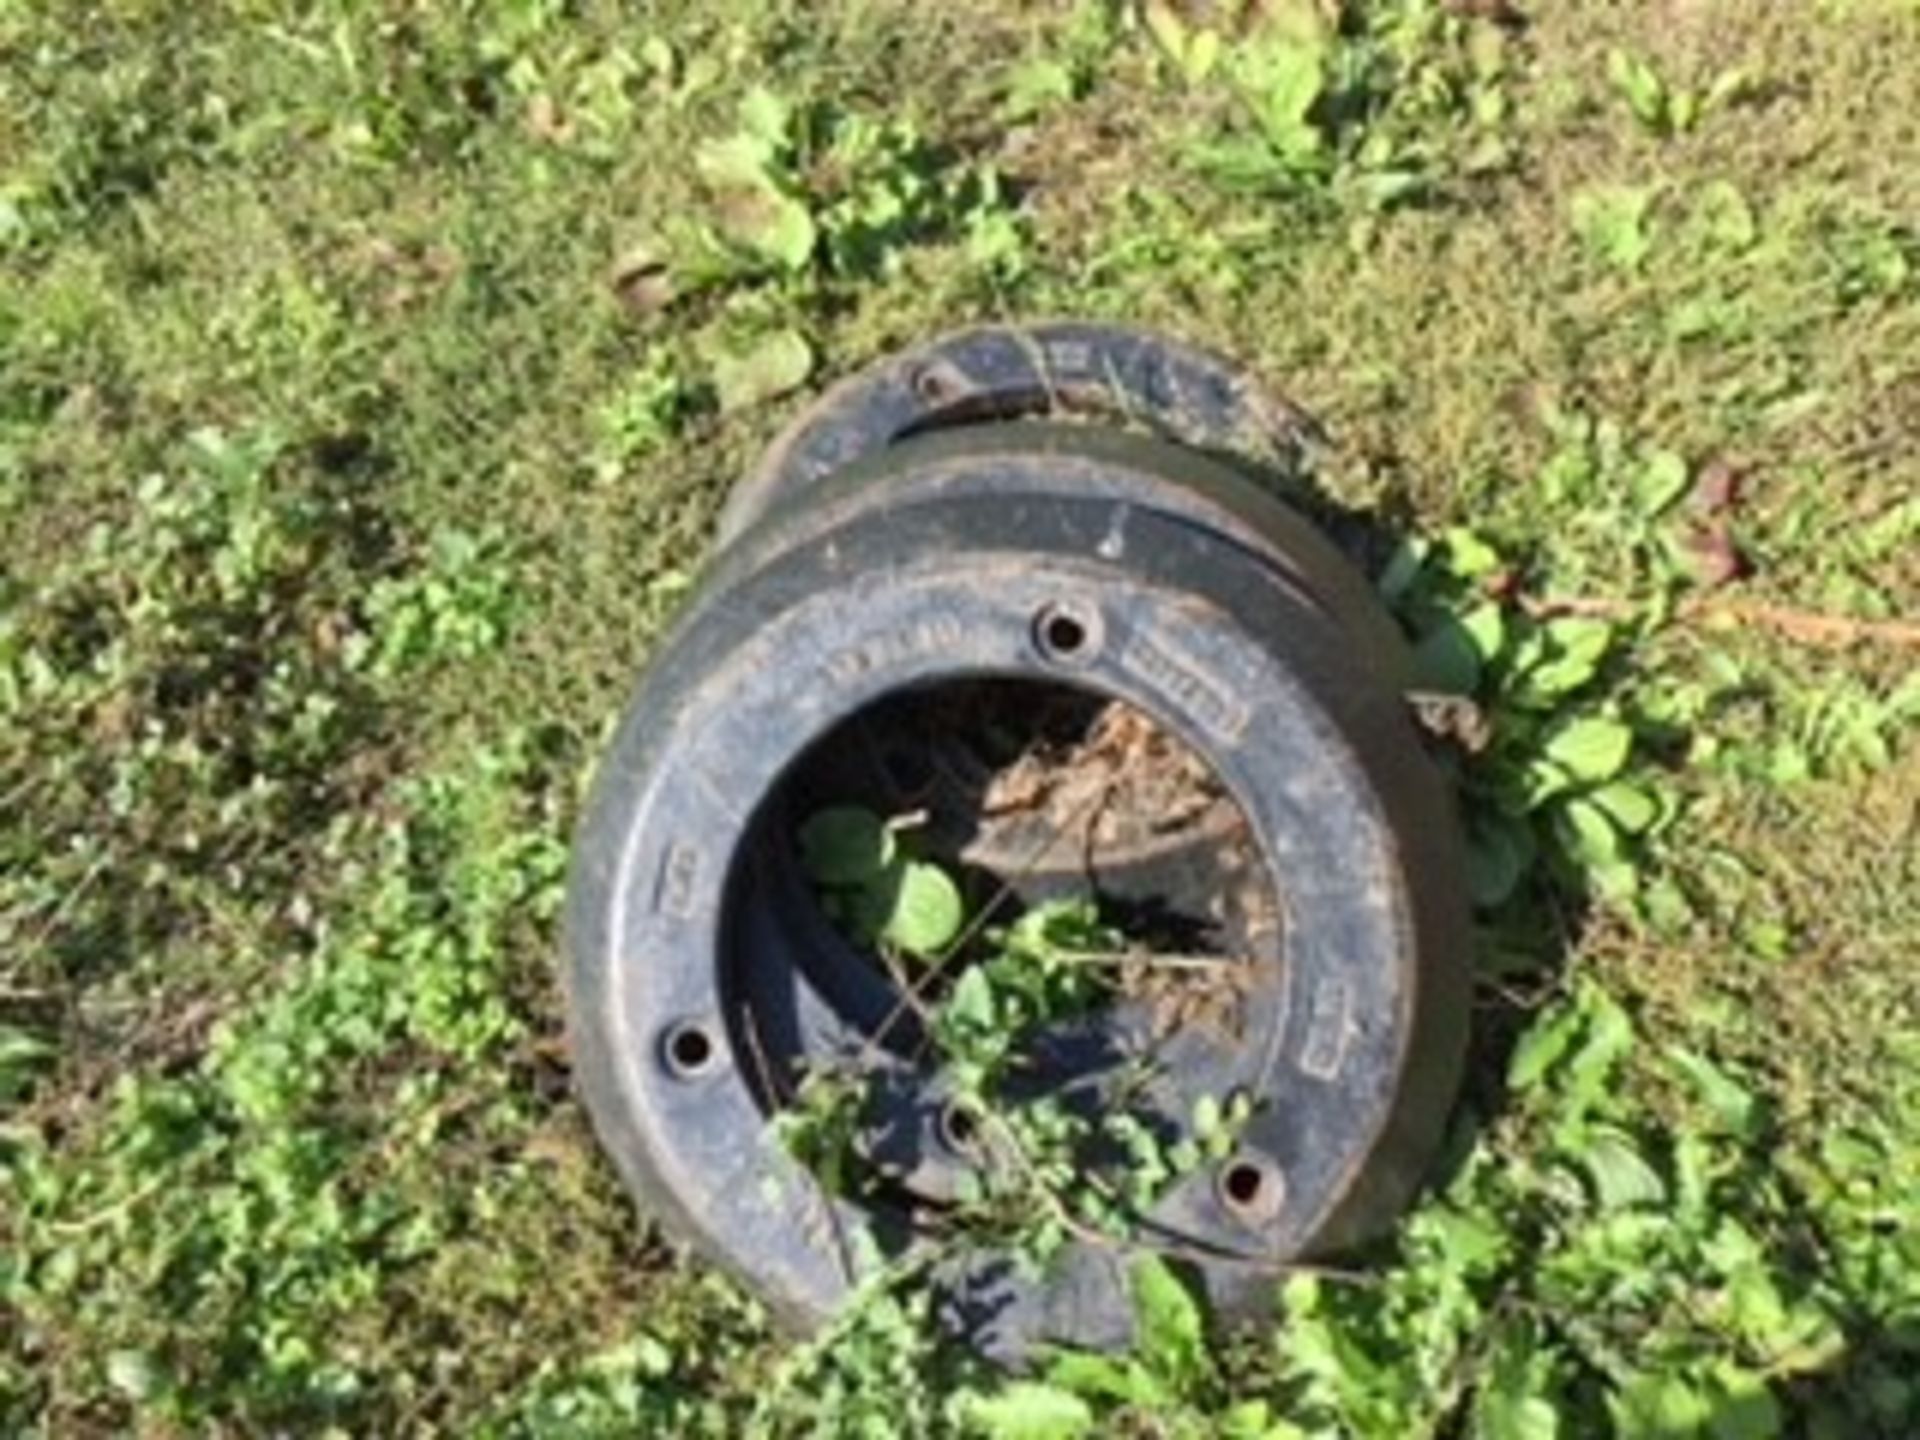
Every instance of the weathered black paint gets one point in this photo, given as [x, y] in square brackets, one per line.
[925, 558]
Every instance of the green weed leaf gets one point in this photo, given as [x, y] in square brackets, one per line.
[845, 845]
[766, 117]
[1470, 556]
[1500, 1415]
[740, 161]
[1732, 1104]
[1540, 1048]
[1659, 1406]
[1036, 86]
[1589, 751]
[778, 363]
[1723, 219]
[1631, 807]
[1025, 1410]
[133, 1374]
[1573, 650]
[1509, 1404]
[1106, 1377]
[1612, 223]
[1663, 477]
[1446, 660]
[1499, 851]
[970, 1005]
[1171, 1329]
[927, 910]
[1645, 92]
[1621, 1176]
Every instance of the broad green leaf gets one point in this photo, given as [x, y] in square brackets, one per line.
[1466, 1243]
[1612, 223]
[1587, 834]
[970, 1004]
[1202, 56]
[1024, 1410]
[1166, 27]
[739, 161]
[1499, 850]
[133, 1374]
[1745, 1408]
[1576, 648]
[1402, 569]
[1723, 218]
[1631, 807]
[1035, 86]
[1486, 627]
[1590, 751]
[1658, 1406]
[1171, 1331]
[1105, 1377]
[1589, 1071]
[927, 910]
[1283, 82]
[1516, 1417]
[1255, 1420]
[771, 224]
[776, 364]
[1446, 660]
[1207, 1117]
[1663, 477]
[1469, 556]
[21, 1047]
[1542, 1044]
[1642, 87]
[1622, 1178]
[1383, 189]
[1581, 1039]
[845, 845]
[766, 116]
[1730, 1102]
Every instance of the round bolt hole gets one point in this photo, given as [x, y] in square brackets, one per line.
[689, 1050]
[1064, 633]
[934, 386]
[1252, 1189]
[960, 1128]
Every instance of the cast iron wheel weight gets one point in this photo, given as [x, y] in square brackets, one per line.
[1026, 586]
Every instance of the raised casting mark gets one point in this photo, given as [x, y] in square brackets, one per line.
[1329, 1028]
[1212, 706]
[673, 890]
[925, 637]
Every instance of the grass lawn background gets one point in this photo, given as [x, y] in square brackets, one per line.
[370, 374]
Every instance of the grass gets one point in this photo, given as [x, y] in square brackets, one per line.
[371, 375]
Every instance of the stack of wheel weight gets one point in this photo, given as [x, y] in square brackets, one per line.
[1071, 506]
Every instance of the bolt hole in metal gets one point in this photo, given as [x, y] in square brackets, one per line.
[689, 1050]
[1065, 632]
[934, 385]
[960, 1128]
[1251, 1188]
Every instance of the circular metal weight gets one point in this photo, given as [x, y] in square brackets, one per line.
[1052, 369]
[703, 976]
